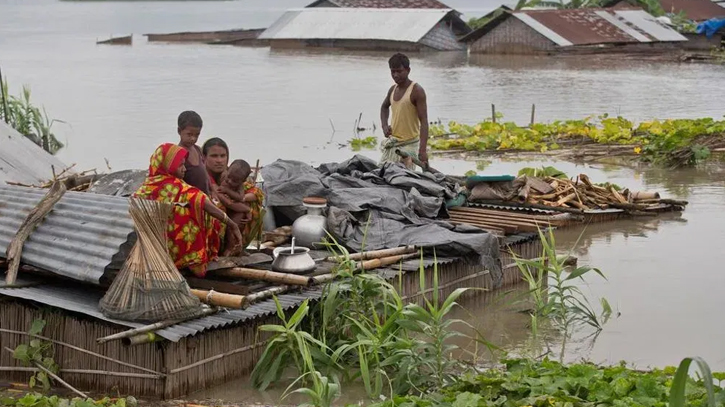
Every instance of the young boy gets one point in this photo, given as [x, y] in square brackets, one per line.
[408, 130]
[189, 128]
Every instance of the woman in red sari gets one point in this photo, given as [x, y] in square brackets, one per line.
[197, 226]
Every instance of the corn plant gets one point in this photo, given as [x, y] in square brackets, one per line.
[290, 346]
[552, 287]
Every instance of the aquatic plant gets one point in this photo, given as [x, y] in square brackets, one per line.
[39, 400]
[29, 120]
[523, 382]
[358, 143]
[676, 142]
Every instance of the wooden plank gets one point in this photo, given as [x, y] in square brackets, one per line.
[508, 213]
[508, 219]
[513, 222]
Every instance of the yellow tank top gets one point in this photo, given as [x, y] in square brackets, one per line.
[405, 123]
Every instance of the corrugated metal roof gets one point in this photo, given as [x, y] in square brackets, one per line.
[579, 26]
[78, 239]
[382, 3]
[647, 23]
[408, 25]
[591, 26]
[23, 161]
[543, 29]
[623, 26]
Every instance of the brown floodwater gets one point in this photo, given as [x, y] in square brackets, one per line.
[120, 102]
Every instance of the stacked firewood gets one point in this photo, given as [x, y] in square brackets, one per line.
[582, 194]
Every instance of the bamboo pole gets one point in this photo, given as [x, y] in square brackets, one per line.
[265, 275]
[9, 331]
[153, 327]
[141, 339]
[533, 114]
[83, 371]
[15, 248]
[217, 357]
[220, 299]
[385, 261]
[252, 298]
[375, 254]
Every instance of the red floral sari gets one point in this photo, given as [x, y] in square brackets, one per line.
[193, 236]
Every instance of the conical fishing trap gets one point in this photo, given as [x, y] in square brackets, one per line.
[149, 288]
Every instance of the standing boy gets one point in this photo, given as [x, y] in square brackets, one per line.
[408, 130]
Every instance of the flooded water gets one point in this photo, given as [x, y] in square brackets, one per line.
[120, 102]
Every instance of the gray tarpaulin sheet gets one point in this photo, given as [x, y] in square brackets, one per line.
[386, 206]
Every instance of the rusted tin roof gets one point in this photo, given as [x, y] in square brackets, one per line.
[79, 239]
[697, 10]
[576, 26]
[383, 3]
[589, 26]
[23, 161]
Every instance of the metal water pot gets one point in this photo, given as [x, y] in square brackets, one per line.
[309, 229]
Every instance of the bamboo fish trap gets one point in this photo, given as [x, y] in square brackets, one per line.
[149, 288]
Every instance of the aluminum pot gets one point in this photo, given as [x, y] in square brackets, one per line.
[309, 229]
[292, 260]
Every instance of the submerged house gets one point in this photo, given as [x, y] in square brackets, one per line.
[395, 29]
[571, 30]
[695, 10]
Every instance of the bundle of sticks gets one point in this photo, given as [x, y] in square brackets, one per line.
[583, 194]
[72, 181]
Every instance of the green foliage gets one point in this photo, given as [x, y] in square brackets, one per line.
[28, 119]
[37, 352]
[357, 143]
[361, 331]
[676, 141]
[543, 172]
[38, 400]
[522, 382]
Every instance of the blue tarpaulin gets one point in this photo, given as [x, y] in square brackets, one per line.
[711, 26]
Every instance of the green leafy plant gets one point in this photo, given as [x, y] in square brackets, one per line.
[361, 330]
[357, 143]
[290, 346]
[37, 352]
[524, 382]
[29, 120]
[39, 400]
[543, 172]
[678, 142]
